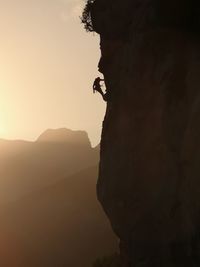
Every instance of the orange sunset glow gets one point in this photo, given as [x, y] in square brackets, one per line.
[48, 64]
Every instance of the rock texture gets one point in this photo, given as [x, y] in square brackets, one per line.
[149, 181]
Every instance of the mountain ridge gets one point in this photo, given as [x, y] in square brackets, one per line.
[25, 166]
[63, 135]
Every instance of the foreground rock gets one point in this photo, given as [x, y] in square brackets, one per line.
[150, 150]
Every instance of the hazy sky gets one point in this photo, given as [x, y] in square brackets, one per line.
[47, 67]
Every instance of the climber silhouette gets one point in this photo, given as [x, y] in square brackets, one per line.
[97, 87]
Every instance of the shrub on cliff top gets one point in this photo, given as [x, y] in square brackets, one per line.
[86, 16]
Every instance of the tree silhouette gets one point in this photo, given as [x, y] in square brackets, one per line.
[86, 16]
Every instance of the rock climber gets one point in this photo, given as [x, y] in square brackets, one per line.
[97, 87]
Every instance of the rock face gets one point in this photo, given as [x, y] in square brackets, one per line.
[149, 181]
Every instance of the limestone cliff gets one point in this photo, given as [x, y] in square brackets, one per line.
[149, 181]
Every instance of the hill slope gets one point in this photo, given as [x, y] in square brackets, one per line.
[61, 225]
[29, 166]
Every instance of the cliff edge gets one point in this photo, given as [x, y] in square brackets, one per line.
[149, 181]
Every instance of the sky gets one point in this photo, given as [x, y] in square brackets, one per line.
[47, 67]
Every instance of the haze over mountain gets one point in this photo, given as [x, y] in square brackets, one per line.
[64, 135]
[26, 166]
[60, 225]
[50, 215]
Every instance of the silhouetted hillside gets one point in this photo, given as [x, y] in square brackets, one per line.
[28, 166]
[61, 225]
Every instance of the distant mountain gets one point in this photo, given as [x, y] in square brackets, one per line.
[49, 214]
[29, 166]
[60, 225]
[64, 135]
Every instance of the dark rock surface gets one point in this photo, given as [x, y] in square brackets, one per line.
[149, 180]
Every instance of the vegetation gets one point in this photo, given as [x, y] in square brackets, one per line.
[109, 261]
[86, 16]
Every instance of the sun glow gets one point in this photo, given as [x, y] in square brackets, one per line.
[2, 131]
[48, 65]
[2, 126]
